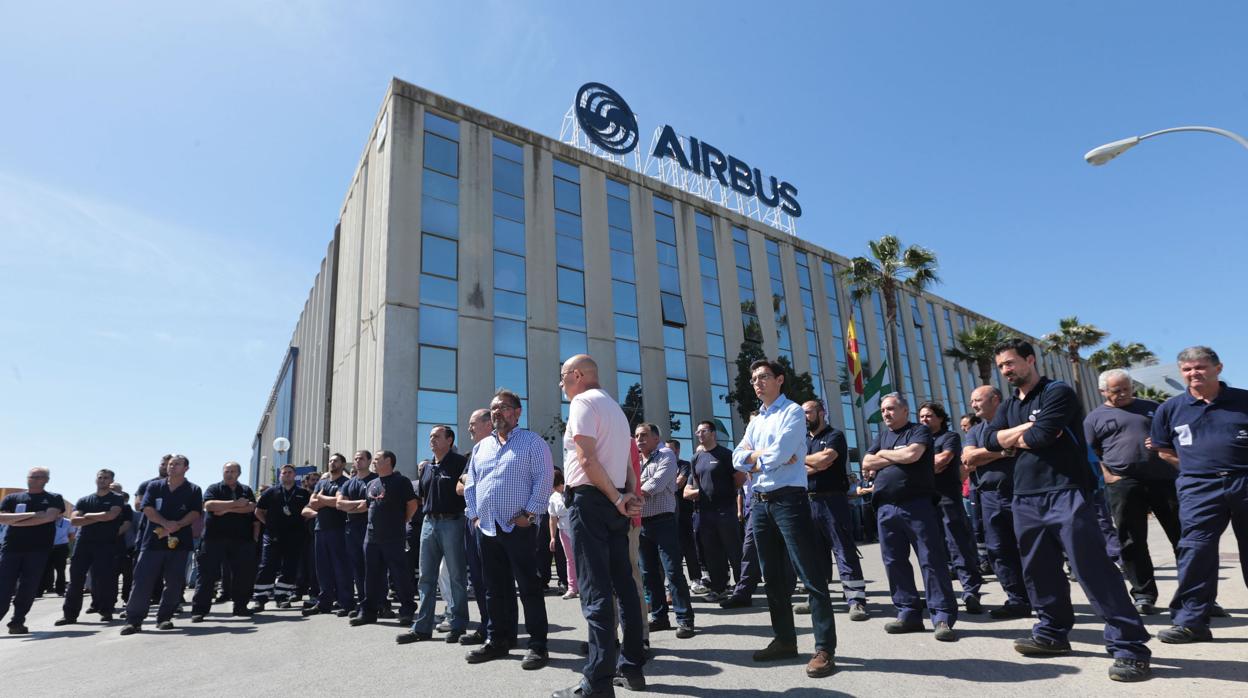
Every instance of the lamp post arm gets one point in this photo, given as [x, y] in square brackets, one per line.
[1204, 129]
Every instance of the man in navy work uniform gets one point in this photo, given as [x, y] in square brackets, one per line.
[827, 481]
[30, 525]
[280, 509]
[352, 500]
[391, 504]
[229, 511]
[1136, 478]
[993, 473]
[774, 449]
[901, 460]
[441, 538]
[171, 506]
[660, 549]
[509, 481]
[333, 567]
[98, 517]
[1042, 423]
[712, 487]
[162, 472]
[1204, 432]
[958, 533]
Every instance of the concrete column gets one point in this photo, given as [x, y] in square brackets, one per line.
[730, 305]
[793, 301]
[762, 291]
[475, 377]
[542, 299]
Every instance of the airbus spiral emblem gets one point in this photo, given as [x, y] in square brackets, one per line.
[606, 119]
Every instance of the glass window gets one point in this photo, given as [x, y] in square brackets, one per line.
[678, 396]
[622, 266]
[571, 343]
[745, 279]
[508, 235]
[567, 196]
[628, 356]
[708, 267]
[621, 241]
[440, 186]
[675, 361]
[567, 224]
[667, 255]
[508, 206]
[619, 214]
[719, 402]
[438, 326]
[436, 290]
[437, 368]
[439, 256]
[742, 251]
[508, 304]
[441, 126]
[508, 272]
[627, 382]
[617, 189]
[439, 217]
[509, 150]
[512, 373]
[624, 297]
[509, 337]
[572, 317]
[715, 345]
[673, 309]
[673, 337]
[435, 407]
[706, 242]
[669, 279]
[665, 229]
[571, 286]
[663, 206]
[509, 176]
[625, 327]
[719, 369]
[441, 155]
[710, 290]
[568, 171]
[568, 252]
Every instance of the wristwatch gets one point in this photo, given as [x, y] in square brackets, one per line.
[531, 517]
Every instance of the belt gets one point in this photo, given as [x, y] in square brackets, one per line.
[443, 517]
[657, 517]
[824, 495]
[581, 490]
[778, 494]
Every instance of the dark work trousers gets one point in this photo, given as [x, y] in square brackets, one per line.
[475, 576]
[414, 527]
[508, 565]
[1206, 505]
[751, 570]
[389, 558]
[308, 575]
[1106, 522]
[126, 559]
[54, 571]
[975, 506]
[604, 575]
[831, 516]
[960, 543]
[782, 529]
[719, 536]
[355, 533]
[660, 556]
[279, 568]
[20, 577]
[915, 524]
[217, 555]
[541, 551]
[1052, 523]
[1130, 501]
[998, 517]
[686, 527]
[96, 559]
[333, 570]
[157, 563]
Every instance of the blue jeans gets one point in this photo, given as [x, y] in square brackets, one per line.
[783, 530]
[442, 539]
[661, 557]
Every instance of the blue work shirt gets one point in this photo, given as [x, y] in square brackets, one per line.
[102, 531]
[1056, 457]
[899, 483]
[834, 478]
[1210, 437]
[329, 518]
[997, 476]
[507, 478]
[949, 480]
[355, 490]
[173, 504]
[779, 431]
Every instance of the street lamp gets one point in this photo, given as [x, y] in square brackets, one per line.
[1103, 154]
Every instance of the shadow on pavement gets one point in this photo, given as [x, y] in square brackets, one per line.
[686, 690]
[1188, 669]
[54, 634]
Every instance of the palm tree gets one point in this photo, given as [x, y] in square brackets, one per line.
[1069, 338]
[978, 345]
[889, 270]
[1119, 355]
[1148, 392]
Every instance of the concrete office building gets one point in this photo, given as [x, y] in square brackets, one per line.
[471, 253]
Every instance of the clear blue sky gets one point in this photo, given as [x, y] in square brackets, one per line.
[170, 173]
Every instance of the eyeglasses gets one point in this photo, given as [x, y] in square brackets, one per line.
[704, 431]
[563, 374]
[502, 408]
[761, 378]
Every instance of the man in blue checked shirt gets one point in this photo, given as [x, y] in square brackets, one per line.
[509, 481]
[774, 450]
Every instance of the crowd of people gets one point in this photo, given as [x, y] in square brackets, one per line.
[623, 517]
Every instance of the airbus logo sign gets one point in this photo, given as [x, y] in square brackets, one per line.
[610, 124]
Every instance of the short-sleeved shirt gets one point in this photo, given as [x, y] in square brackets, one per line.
[1209, 437]
[103, 531]
[997, 476]
[29, 539]
[597, 415]
[714, 475]
[558, 510]
[356, 490]
[329, 518]
[172, 504]
[898, 483]
[949, 480]
[834, 478]
[387, 508]
[436, 485]
[1056, 457]
[283, 511]
[232, 526]
[131, 537]
[1117, 434]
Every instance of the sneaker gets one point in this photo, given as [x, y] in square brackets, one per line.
[1124, 669]
[736, 602]
[658, 625]
[106, 618]
[313, 611]
[900, 627]
[409, 637]
[475, 637]
[775, 651]
[1182, 635]
[362, 620]
[1010, 611]
[1145, 608]
[534, 659]
[453, 637]
[698, 589]
[802, 609]
[405, 620]
[443, 627]
[858, 612]
[18, 629]
[820, 665]
[973, 605]
[684, 631]
[1039, 647]
[126, 630]
[165, 625]
[487, 652]
[387, 613]
[197, 618]
[66, 621]
[571, 594]
[632, 680]
[944, 633]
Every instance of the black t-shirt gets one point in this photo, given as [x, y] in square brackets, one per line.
[1057, 454]
[834, 478]
[104, 531]
[283, 511]
[949, 480]
[329, 518]
[713, 475]
[173, 505]
[898, 483]
[1118, 434]
[356, 490]
[997, 476]
[387, 508]
[436, 487]
[232, 526]
[684, 506]
[29, 539]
